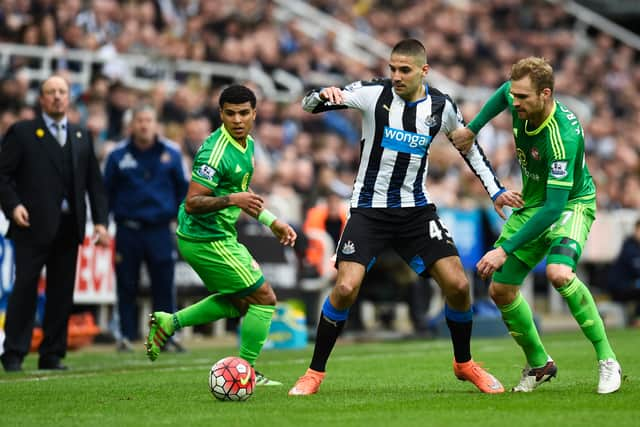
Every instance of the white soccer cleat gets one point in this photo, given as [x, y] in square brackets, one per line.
[610, 376]
[533, 377]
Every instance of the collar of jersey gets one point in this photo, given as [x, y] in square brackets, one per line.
[414, 103]
[543, 125]
[233, 141]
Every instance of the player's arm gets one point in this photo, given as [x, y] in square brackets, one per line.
[283, 231]
[201, 199]
[549, 213]
[477, 161]
[463, 138]
[355, 95]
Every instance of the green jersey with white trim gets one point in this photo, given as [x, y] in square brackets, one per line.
[225, 167]
[550, 156]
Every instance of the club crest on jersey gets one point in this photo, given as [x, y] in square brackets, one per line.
[535, 153]
[348, 248]
[206, 172]
[559, 169]
[405, 141]
[431, 121]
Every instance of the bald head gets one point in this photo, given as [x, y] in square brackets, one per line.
[54, 97]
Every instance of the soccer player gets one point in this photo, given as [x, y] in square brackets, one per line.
[560, 206]
[207, 237]
[390, 207]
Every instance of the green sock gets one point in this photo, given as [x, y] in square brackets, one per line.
[519, 320]
[584, 310]
[206, 310]
[254, 331]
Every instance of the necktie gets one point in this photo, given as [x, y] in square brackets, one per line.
[59, 134]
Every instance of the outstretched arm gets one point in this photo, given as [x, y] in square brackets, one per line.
[463, 138]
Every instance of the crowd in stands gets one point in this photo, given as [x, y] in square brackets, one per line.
[303, 157]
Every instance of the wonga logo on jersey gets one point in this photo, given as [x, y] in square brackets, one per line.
[404, 141]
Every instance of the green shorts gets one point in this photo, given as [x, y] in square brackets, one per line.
[561, 243]
[225, 266]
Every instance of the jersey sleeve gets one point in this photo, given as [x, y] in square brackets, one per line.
[356, 95]
[494, 106]
[475, 158]
[202, 171]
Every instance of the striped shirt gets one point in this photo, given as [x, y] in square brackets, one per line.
[396, 136]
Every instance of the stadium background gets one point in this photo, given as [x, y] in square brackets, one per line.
[178, 55]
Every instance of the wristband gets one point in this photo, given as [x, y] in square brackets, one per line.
[267, 218]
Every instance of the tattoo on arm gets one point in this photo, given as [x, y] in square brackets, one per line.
[204, 204]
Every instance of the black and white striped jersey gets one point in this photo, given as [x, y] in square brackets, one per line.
[395, 142]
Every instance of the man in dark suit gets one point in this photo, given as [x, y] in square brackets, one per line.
[47, 165]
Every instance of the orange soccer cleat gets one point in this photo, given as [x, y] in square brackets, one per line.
[471, 371]
[307, 384]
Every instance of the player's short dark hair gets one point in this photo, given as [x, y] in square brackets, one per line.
[538, 69]
[410, 47]
[237, 94]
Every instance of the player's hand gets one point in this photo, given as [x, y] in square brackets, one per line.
[490, 262]
[21, 216]
[101, 235]
[284, 233]
[249, 202]
[332, 94]
[508, 198]
[462, 139]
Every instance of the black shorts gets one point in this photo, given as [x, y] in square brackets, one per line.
[416, 234]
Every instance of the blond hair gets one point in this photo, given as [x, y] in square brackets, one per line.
[538, 69]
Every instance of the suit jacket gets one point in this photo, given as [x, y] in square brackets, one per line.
[31, 173]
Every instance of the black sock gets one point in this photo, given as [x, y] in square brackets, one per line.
[461, 339]
[326, 336]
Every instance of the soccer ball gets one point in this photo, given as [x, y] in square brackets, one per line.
[232, 378]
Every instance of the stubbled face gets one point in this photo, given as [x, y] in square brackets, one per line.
[407, 74]
[54, 98]
[238, 119]
[527, 102]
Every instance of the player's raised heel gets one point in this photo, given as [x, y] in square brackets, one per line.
[472, 372]
[160, 329]
[307, 384]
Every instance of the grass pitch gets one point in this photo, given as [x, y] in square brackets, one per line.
[407, 383]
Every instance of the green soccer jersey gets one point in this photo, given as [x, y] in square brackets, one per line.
[551, 156]
[224, 166]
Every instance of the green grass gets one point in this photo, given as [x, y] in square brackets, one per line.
[408, 383]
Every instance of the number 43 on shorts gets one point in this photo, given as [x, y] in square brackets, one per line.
[437, 230]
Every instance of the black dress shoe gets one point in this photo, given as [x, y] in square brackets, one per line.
[12, 365]
[49, 364]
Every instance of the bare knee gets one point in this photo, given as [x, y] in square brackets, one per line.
[559, 274]
[264, 295]
[503, 294]
[456, 292]
[345, 292]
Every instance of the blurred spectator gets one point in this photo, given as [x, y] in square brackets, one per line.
[146, 183]
[624, 276]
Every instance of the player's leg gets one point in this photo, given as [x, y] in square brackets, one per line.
[569, 235]
[358, 245]
[515, 310]
[335, 312]
[254, 329]
[449, 274]
[226, 268]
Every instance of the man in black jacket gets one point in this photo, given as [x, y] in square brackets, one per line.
[47, 165]
[624, 278]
